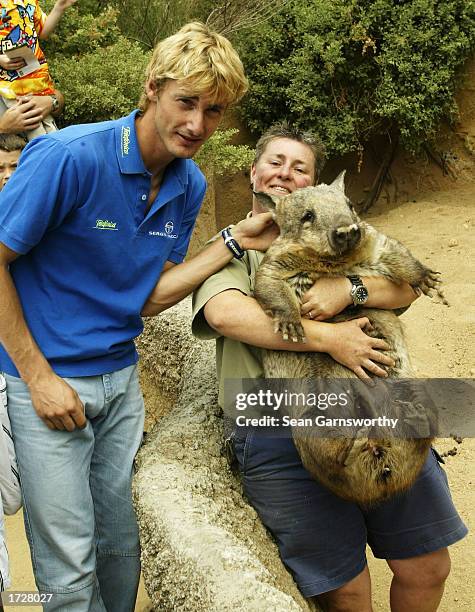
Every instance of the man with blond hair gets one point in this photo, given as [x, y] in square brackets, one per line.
[96, 240]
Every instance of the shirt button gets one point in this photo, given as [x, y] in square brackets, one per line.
[144, 197]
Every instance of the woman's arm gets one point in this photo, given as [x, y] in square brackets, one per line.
[235, 315]
[329, 296]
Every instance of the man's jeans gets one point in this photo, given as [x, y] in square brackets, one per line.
[76, 486]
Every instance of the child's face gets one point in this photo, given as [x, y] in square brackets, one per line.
[8, 164]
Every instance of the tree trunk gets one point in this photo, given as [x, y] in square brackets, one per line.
[381, 175]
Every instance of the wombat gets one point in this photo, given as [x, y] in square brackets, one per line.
[321, 235]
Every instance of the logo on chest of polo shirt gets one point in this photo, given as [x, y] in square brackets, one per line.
[103, 224]
[125, 140]
[168, 233]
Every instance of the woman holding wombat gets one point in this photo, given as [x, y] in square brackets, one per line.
[321, 537]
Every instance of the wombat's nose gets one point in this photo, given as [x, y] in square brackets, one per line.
[345, 237]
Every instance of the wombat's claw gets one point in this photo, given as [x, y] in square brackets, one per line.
[432, 281]
[437, 296]
[294, 331]
[430, 285]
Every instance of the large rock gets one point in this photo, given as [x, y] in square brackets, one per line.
[203, 547]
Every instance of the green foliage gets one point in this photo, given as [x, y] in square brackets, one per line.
[79, 32]
[350, 69]
[101, 85]
[221, 157]
[98, 70]
[147, 21]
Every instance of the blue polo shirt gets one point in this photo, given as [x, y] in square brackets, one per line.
[89, 256]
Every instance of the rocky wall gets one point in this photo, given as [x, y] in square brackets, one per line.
[203, 546]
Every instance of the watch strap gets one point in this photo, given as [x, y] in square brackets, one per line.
[232, 244]
[55, 100]
[355, 280]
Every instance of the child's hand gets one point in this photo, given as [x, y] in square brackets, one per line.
[54, 17]
[15, 63]
[62, 5]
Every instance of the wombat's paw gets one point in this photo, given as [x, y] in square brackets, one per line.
[431, 285]
[289, 328]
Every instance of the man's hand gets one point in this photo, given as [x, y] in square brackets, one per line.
[57, 403]
[326, 298]
[257, 232]
[348, 344]
[11, 63]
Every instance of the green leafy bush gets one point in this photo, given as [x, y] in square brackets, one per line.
[80, 32]
[146, 21]
[104, 84]
[350, 69]
[98, 70]
[220, 157]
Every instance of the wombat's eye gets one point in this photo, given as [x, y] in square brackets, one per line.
[308, 216]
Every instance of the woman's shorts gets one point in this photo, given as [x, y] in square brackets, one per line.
[321, 537]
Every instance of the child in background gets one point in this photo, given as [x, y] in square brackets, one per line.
[10, 492]
[11, 147]
[22, 23]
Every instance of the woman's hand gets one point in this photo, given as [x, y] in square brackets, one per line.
[347, 343]
[326, 298]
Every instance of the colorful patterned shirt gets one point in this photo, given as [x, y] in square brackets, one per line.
[21, 22]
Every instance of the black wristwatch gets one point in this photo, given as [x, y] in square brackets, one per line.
[358, 292]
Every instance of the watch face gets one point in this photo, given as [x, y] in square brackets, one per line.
[360, 295]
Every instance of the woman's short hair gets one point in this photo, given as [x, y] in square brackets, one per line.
[205, 60]
[285, 130]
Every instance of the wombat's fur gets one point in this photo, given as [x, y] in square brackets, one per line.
[321, 235]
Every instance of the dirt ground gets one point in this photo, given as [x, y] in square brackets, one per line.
[438, 228]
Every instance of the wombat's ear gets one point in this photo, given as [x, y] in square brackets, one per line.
[339, 182]
[267, 201]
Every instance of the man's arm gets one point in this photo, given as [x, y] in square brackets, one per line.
[329, 296]
[178, 281]
[235, 315]
[54, 400]
[53, 18]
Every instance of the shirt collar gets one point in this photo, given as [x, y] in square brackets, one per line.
[128, 151]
